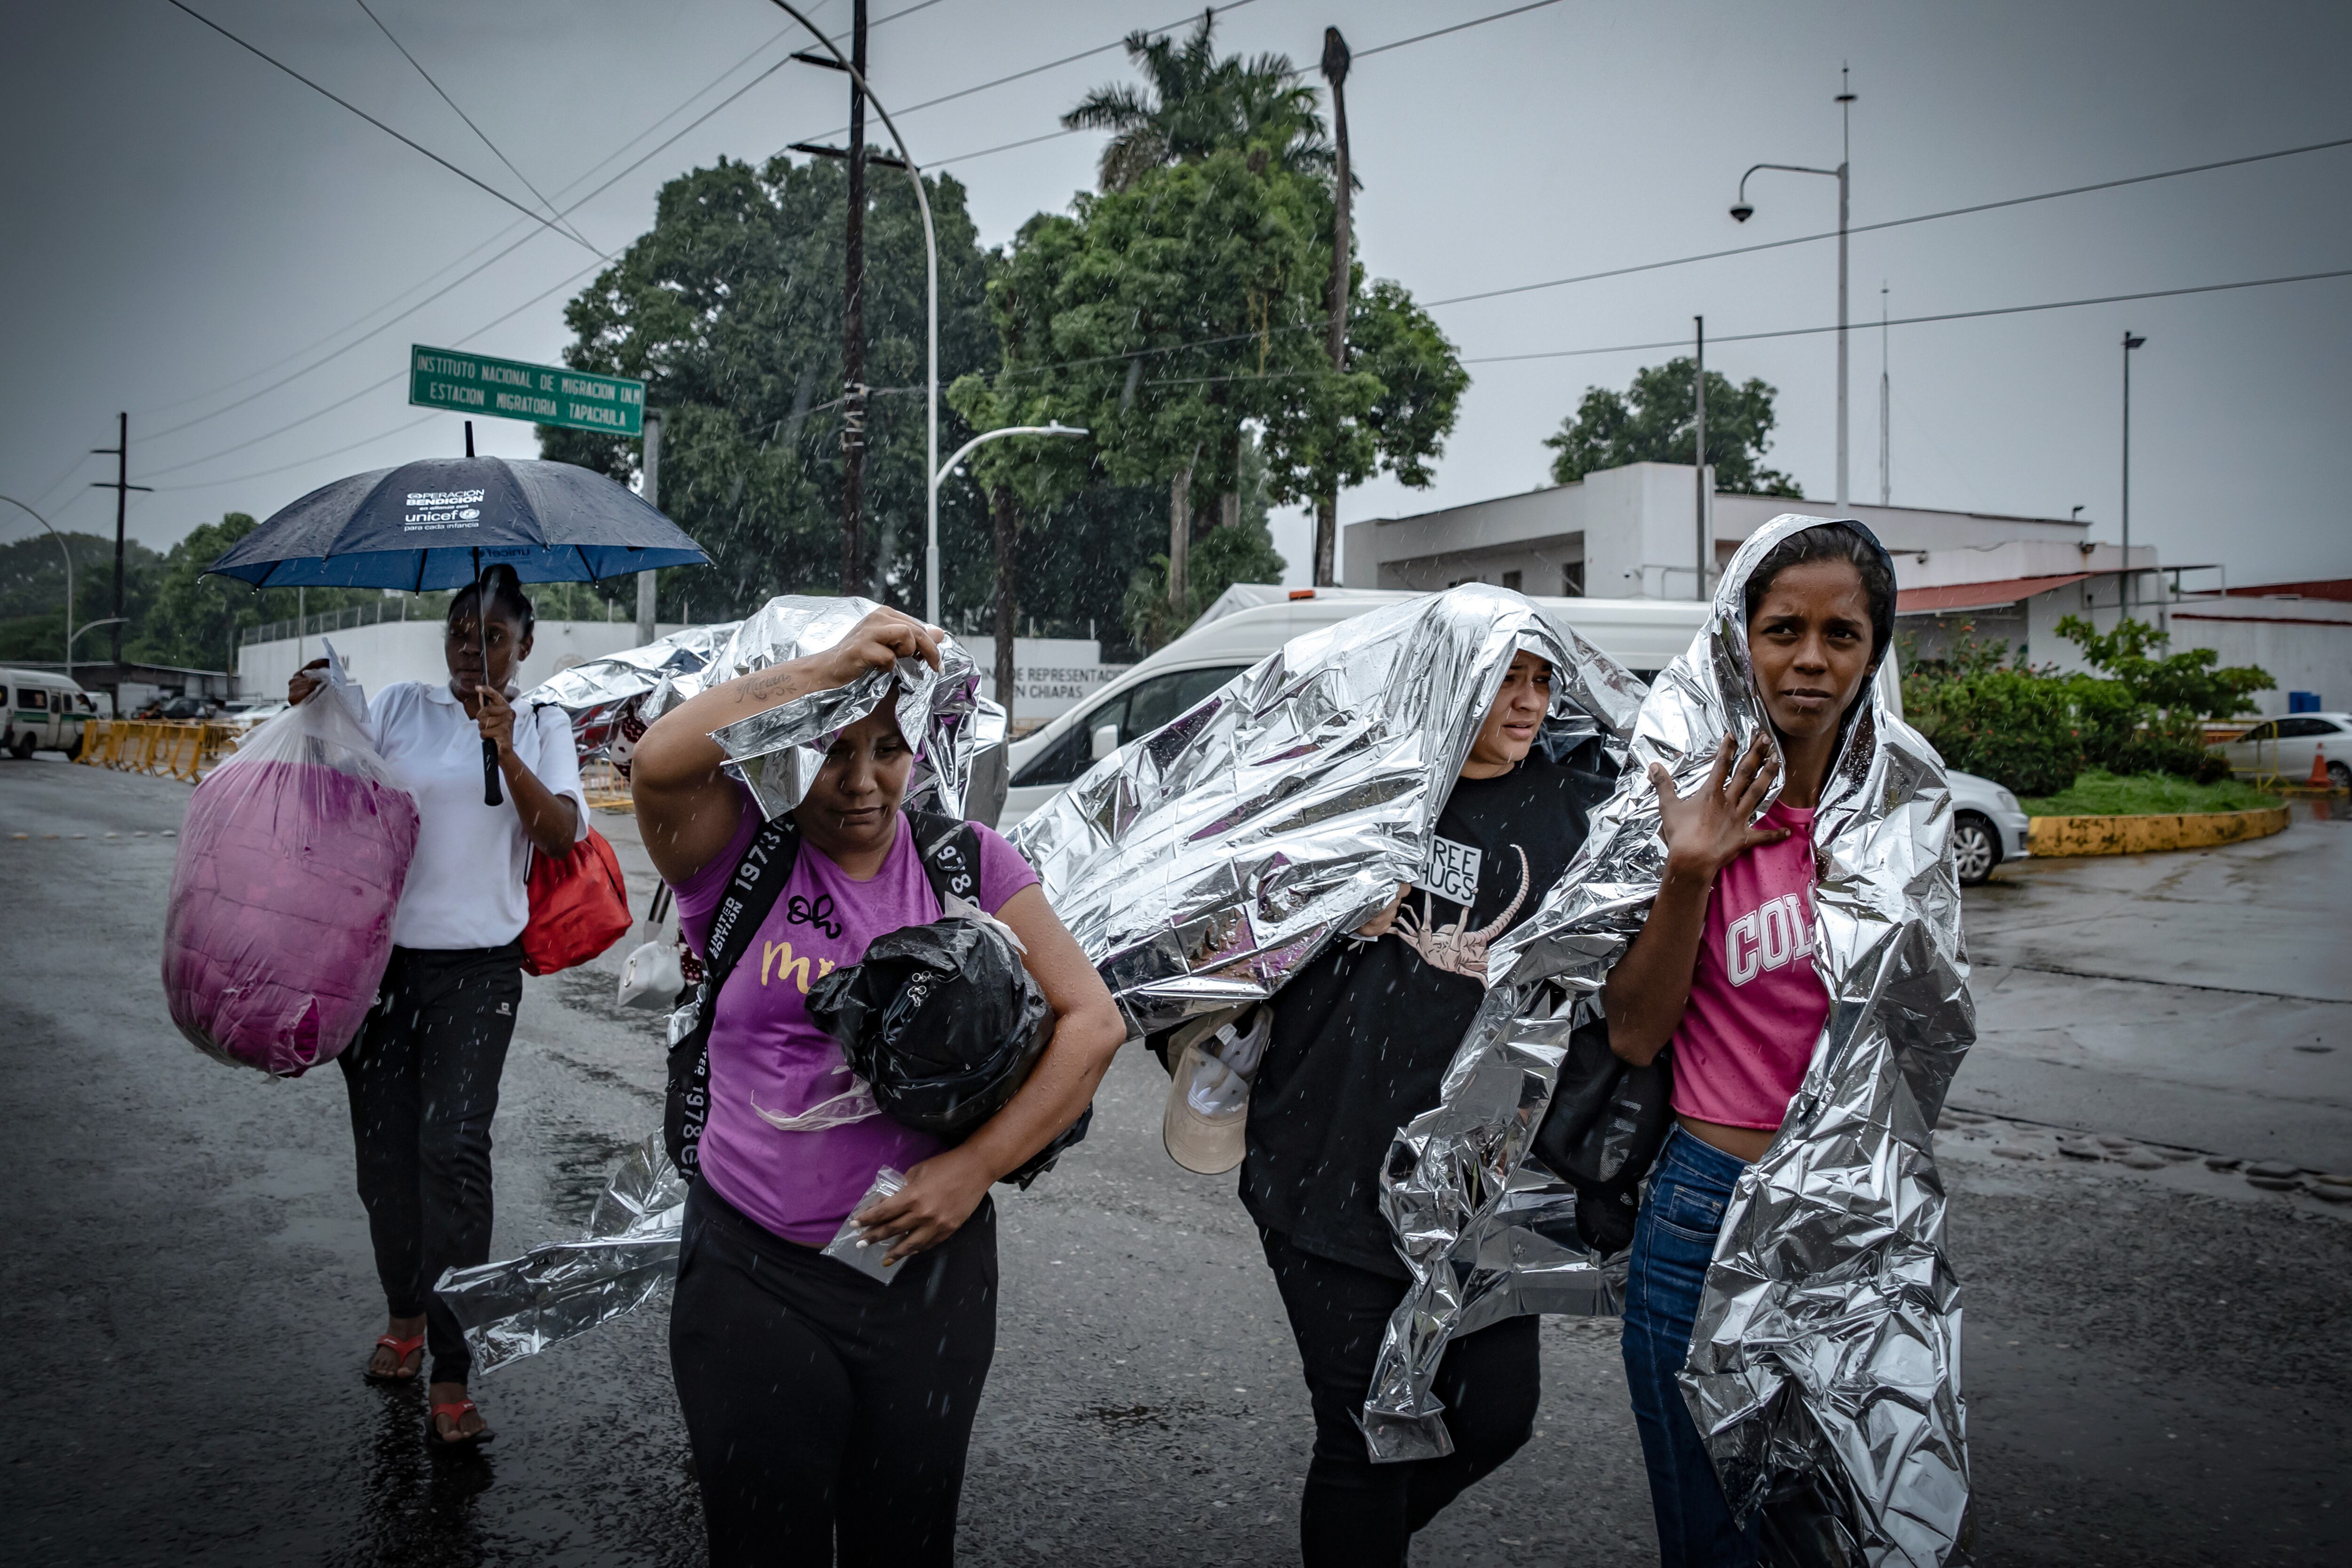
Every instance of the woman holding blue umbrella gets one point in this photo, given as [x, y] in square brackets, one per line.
[424, 1075]
[491, 785]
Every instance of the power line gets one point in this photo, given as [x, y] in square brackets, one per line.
[1890, 223]
[1919, 321]
[393, 379]
[306, 461]
[574, 229]
[622, 174]
[372, 120]
[1456, 27]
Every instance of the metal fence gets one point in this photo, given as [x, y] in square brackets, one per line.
[366, 615]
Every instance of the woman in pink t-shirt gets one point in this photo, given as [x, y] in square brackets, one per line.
[830, 1411]
[1723, 971]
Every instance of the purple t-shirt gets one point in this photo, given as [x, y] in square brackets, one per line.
[791, 1140]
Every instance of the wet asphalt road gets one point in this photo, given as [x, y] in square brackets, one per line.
[2157, 1359]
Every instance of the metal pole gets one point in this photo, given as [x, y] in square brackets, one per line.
[939, 477]
[651, 491]
[1885, 411]
[2130, 342]
[1335, 72]
[1845, 155]
[853, 319]
[1700, 383]
[930, 245]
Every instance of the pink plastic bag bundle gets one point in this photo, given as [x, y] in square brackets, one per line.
[292, 861]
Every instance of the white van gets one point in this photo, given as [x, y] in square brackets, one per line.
[44, 711]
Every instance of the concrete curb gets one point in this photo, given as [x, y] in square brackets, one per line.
[2060, 836]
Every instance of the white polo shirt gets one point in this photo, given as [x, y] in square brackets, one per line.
[465, 887]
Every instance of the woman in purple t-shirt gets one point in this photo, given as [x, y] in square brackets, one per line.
[1722, 969]
[828, 1410]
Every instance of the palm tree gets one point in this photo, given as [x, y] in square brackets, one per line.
[1196, 103]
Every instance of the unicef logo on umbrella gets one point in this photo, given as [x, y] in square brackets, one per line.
[468, 513]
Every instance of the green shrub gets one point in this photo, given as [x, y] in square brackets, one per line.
[2149, 714]
[2012, 726]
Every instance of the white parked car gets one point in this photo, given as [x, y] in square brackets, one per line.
[1987, 827]
[1252, 620]
[2284, 748]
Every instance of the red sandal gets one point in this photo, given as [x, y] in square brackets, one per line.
[401, 1351]
[456, 1410]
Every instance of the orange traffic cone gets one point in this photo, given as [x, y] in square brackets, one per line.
[2318, 779]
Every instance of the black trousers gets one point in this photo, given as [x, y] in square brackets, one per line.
[828, 1411]
[424, 1084]
[1357, 1514]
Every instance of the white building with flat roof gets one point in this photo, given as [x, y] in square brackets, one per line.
[1635, 533]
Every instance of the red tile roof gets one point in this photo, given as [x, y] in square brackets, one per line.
[1955, 596]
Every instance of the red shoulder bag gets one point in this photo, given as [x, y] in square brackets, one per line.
[579, 906]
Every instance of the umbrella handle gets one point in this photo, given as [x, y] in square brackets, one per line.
[490, 796]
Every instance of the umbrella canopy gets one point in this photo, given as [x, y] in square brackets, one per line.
[439, 523]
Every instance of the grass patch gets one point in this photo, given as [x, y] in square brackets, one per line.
[2098, 793]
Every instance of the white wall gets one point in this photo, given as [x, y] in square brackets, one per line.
[390, 651]
[1050, 675]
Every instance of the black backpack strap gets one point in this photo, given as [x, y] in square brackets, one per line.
[951, 854]
[751, 892]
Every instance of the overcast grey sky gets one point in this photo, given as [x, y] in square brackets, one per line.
[187, 230]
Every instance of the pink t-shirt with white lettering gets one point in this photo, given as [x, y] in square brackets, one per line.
[777, 1145]
[1757, 1005]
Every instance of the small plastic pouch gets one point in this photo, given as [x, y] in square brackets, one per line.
[850, 1245]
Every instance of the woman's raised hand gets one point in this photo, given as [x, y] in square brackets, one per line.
[880, 641]
[1377, 926]
[1715, 825]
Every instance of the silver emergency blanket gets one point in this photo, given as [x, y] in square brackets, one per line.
[1825, 1368]
[1203, 865]
[562, 1289]
[554, 1292]
[776, 753]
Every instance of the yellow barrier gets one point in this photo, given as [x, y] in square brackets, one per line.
[2155, 831]
[173, 748]
[605, 788]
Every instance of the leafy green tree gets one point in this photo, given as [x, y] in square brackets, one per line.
[1652, 423]
[1175, 316]
[730, 308]
[191, 620]
[1193, 102]
[33, 592]
[2149, 714]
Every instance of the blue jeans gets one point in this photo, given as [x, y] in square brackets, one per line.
[1673, 1242]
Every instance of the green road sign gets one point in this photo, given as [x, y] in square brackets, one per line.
[510, 389]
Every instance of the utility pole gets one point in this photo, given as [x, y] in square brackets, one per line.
[1885, 411]
[122, 487]
[853, 322]
[1327, 508]
[2130, 342]
[1846, 184]
[1705, 549]
[652, 493]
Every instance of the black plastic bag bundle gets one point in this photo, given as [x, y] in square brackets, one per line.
[945, 1021]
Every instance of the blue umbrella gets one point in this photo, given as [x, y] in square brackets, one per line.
[441, 522]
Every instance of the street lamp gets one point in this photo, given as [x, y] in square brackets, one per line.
[932, 281]
[71, 633]
[1742, 209]
[931, 544]
[2130, 342]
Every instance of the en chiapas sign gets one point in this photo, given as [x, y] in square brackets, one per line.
[464, 382]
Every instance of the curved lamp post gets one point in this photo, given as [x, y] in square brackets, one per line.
[71, 633]
[1743, 209]
[932, 546]
[931, 296]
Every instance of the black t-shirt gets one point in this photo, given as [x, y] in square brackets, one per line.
[1362, 1034]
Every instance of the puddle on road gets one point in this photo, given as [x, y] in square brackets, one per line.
[579, 1163]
